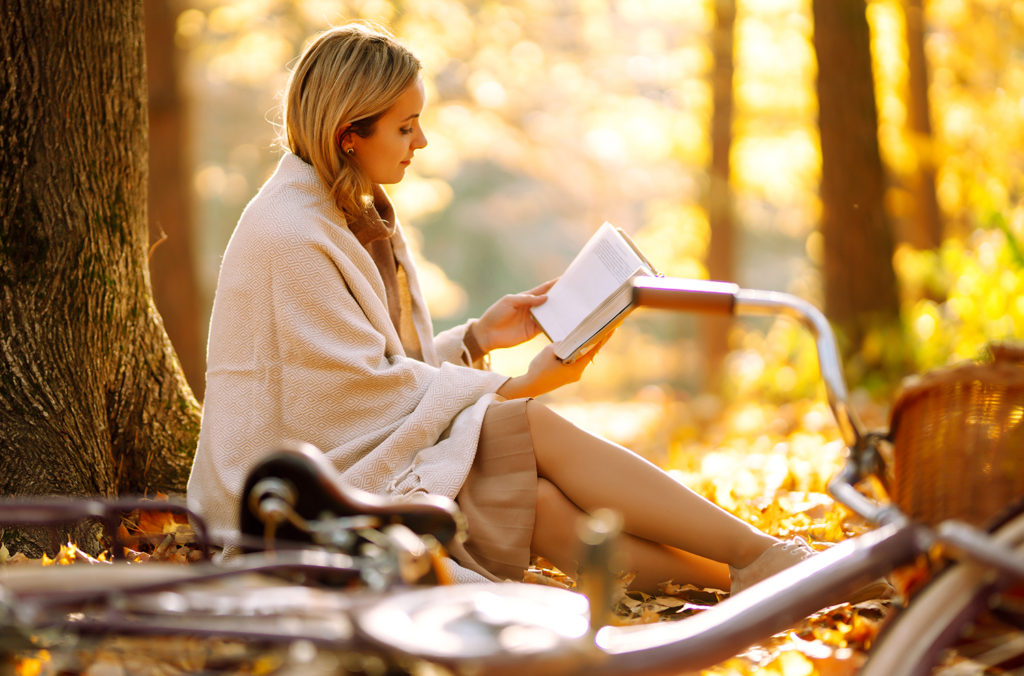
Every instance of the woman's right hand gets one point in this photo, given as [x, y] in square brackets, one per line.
[547, 372]
[508, 322]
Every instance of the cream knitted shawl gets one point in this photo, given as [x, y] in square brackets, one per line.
[302, 347]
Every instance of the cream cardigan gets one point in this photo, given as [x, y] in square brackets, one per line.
[302, 347]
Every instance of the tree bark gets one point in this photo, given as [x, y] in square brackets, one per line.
[926, 219]
[92, 398]
[171, 258]
[721, 251]
[859, 280]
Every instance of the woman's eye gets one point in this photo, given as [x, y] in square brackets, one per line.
[406, 130]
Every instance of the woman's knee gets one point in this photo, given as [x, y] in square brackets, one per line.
[556, 516]
[551, 502]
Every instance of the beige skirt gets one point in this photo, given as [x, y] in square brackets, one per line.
[499, 496]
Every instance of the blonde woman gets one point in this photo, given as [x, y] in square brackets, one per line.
[320, 333]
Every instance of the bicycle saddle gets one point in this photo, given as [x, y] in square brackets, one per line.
[297, 496]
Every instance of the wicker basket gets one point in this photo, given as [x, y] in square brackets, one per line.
[958, 441]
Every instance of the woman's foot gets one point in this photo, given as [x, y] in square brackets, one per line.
[779, 556]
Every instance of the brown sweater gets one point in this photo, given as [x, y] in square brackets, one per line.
[374, 229]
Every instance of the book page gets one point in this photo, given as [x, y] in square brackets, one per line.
[597, 272]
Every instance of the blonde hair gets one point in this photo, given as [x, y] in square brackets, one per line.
[345, 79]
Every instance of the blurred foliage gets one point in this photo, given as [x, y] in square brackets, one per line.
[965, 295]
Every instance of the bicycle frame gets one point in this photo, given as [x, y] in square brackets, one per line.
[464, 627]
[697, 642]
[486, 624]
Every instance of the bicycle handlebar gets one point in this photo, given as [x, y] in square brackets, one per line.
[693, 295]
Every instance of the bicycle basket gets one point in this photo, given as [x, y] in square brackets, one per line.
[958, 440]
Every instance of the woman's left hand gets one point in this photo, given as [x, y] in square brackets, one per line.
[547, 372]
[508, 322]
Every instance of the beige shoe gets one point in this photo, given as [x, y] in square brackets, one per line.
[777, 557]
[786, 553]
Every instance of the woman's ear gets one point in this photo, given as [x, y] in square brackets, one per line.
[342, 138]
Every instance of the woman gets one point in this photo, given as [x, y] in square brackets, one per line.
[320, 333]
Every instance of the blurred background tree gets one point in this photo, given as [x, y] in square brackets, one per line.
[925, 223]
[859, 282]
[170, 195]
[674, 120]
[722, 241]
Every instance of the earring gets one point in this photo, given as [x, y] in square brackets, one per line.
[351, 151]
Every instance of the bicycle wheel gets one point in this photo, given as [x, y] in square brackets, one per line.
[505, 629]
[963, 622]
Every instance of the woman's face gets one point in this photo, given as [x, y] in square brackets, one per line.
[386, 153]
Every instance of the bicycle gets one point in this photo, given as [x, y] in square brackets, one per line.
[521, 628]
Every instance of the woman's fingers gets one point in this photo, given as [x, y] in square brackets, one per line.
[543, 288]
[528, 299]
[588, 356]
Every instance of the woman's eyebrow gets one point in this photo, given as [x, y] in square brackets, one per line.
[414, 115]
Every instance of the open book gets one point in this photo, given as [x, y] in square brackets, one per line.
[593, 292]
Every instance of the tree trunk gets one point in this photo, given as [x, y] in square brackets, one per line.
[720, 258]
[92, 399]
[926, 219]
[859, 281]
[171, 259]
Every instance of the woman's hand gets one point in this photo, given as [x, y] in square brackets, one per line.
[508, 322]
[547, 372]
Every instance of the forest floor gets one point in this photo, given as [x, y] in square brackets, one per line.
[767, 464]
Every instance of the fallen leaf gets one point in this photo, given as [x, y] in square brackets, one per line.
[536, 577]
[155, 522]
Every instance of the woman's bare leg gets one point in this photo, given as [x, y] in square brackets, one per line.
[593, 472]
[554, 538]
